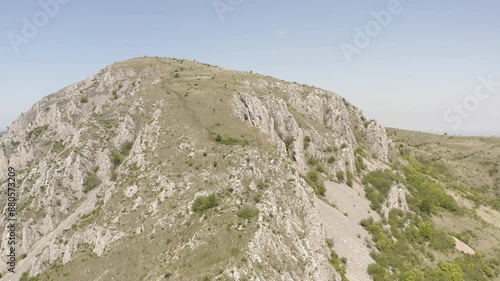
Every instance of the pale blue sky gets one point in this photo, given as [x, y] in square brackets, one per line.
[415, 69]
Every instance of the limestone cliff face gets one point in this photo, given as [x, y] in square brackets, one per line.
[111, 166]
[342, 126]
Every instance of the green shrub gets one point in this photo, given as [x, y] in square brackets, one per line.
[116, 158]
[311, 160]
[340, 176]
[377, 272]
[91, 181]
[375, 198]
[114, 175]
[314, 180]
[331, 149]
[321, 169]
[329, 243]
[126, 147]
[202, 203]
[338, 264]
[307, 141]
[465, 236]
[397, 219]
[360, 152]
[57, 147]
[380, 180]
[288, 143]
[360, 165]
[25, 276]
[349, 177]
[230, 141]
[313, 175]
[84, 99]
[425, 230]
[428, 196]
[247, 212]
[331, 160]
[451, 271]
[478, 268]
[37, 132]
[320, 189]
[442, 242]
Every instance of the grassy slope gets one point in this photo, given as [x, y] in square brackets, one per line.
[470, 173]
[471, 161]
[463, 167]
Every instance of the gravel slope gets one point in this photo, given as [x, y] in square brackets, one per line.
[352, 245]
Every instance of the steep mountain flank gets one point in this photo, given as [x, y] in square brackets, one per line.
[112, 166]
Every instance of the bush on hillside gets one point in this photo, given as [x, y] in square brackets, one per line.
[202, 203]
[91, 181]
[247, 212]
[315, 182]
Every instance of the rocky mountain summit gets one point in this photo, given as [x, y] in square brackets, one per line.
[168, 169]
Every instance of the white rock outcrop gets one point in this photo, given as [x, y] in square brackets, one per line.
[396, 199]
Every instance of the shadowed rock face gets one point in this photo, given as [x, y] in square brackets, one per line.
[109, 169]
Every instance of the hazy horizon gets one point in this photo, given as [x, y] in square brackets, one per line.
[417, 65]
